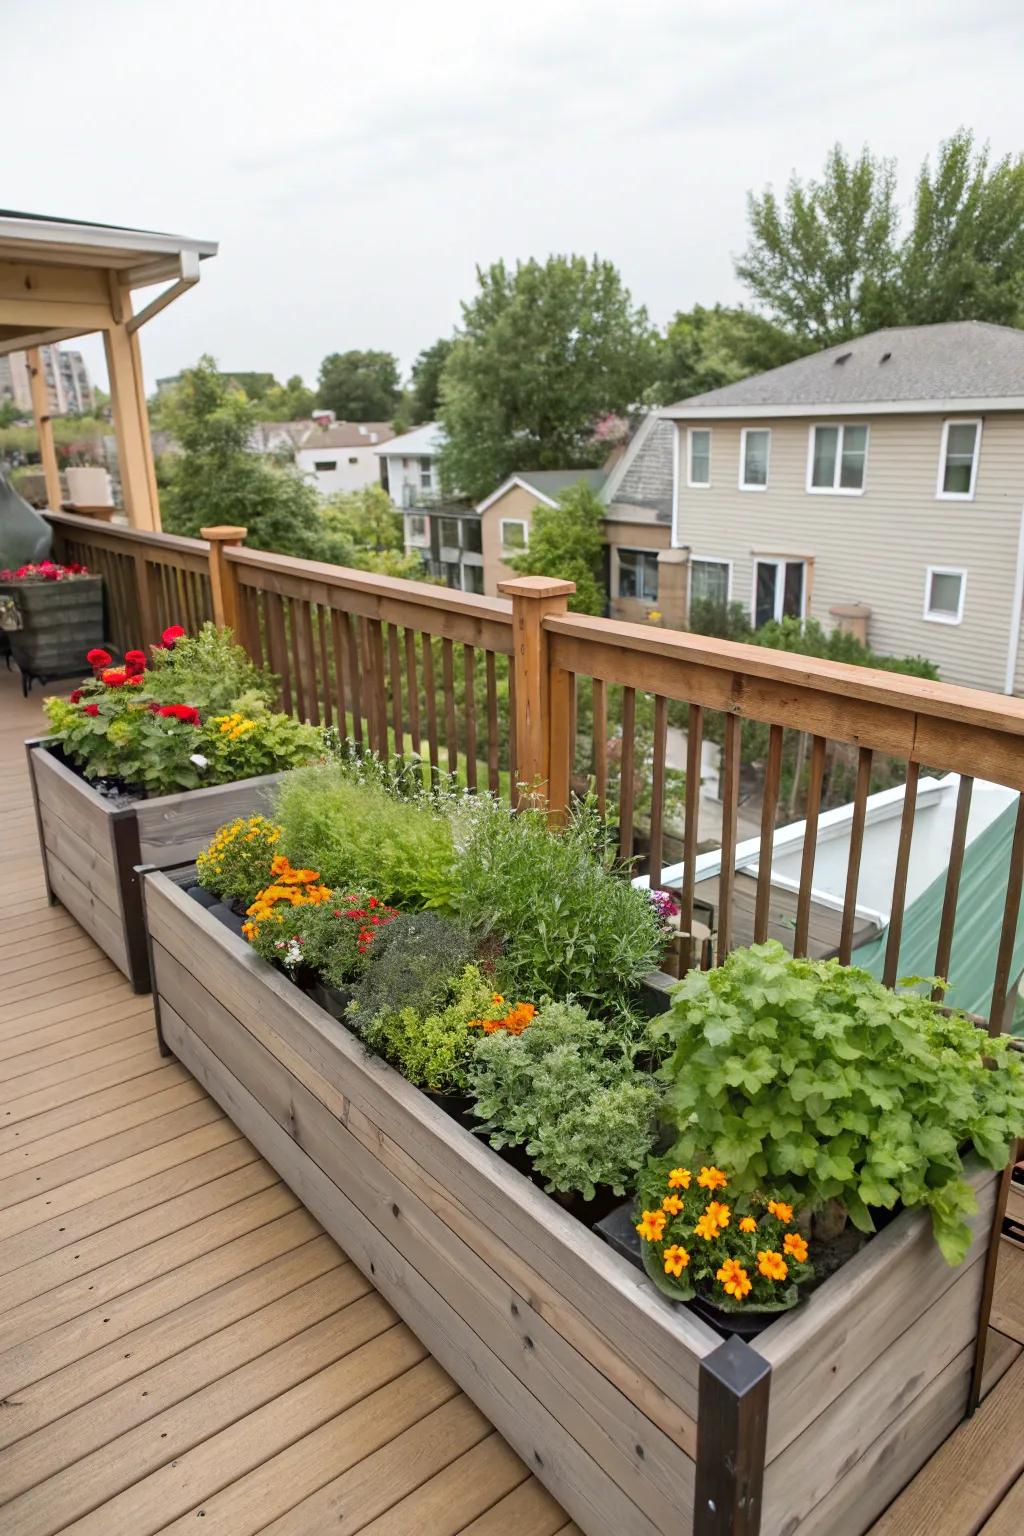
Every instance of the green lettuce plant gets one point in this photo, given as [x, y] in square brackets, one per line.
[814, 1080]
[432, 1047]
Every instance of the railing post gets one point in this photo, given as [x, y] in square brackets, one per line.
[732, 1430]
[541, 752]
[223, 583]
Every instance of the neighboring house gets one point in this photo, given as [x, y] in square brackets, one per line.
[878, 485]
[410, 471]
[506, 515]
[443, 530]
[343, 456]
[645, 574]
[278, 437]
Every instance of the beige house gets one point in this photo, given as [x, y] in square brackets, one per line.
[506, 515]
[878, 485]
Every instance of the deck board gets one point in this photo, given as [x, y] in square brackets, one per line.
[178, 1336]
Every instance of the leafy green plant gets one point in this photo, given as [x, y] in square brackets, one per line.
[360, 837]
[812, 1078]
[567, 1090]
[250, 740]
[573, 926]
[235, 864]
[432, 1048]
[330, 940]
[413, 964]
[209, 670]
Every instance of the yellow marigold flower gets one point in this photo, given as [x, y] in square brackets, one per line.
[771, 1264]
[712, 1178]
[675, 1260]
[781, 1211]
[707, 1228]
[718, 1212]
[795, 1246]
[672, 1204]
[748, 1224]
[679, 1178]
[734, 1278]
[651, 1226]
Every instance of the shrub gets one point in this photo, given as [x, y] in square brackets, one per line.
[251, 740]
[573, 927]
[360, 837]
[432, 1048]
[329, 939]
[208, 669]
[567, 1090]
[413, 963]
[812, 1077]
[236, 863]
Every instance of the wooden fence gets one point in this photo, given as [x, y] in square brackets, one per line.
[513, 691]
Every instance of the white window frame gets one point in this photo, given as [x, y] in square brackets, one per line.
[517, 522]
[691, 483]
[835, 489]
[944, 570]
[633, 549]
[958, 421]
[779, 561]
[708, 560]
[419, 536]
[743, 459]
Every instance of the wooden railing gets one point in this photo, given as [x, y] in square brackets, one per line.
[517, 692]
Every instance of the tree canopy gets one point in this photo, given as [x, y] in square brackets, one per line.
[425, 388]
[292, 401]
[364, 529]
[360, 386]
[708, 348]
[567, 542]
[545, 350]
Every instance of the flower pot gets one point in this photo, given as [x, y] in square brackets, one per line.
[60, 622]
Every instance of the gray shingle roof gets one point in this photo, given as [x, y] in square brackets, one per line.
[960, 360]
[548, 482]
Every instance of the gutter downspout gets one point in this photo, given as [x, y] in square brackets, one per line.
[1015, 613]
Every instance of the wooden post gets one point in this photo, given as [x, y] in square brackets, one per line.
[732, 1429]
[130, 412]
[223, 582]
[534, 598]
[44, 428]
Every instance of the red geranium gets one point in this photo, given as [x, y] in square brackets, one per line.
[183, 712]
[98, 658]
[174, 632]
[135, 661]
[115, 678]
[75, 695]
[90, 709]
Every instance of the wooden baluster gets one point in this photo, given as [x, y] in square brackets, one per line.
[493, 774]
[769, 809]
[325, 664]
[730, 809]
[658, 789]
[573, 711]
[469, 674]
[1008, 933]
[450, 721]
[352, 642]
[513, 746]
[338, 627]
[412, 689]
[397, 719]
[860, 801]
[279, 648]
[305, 659]
[600, 743]
[561, 702]
[694, 746]
[627, 773]
[430, 693]
[899, 884]
[803, 902]
[373, 671]
[947, 922]
[298, 676]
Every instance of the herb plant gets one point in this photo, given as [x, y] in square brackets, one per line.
[209, 669]
[567, 1090]
[812, 1078]
[433, 1047]
[414, 962]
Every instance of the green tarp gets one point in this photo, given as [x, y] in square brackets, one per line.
[979, 921]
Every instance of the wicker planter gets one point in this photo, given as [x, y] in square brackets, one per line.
[60, 622]
[90, 847]
[631, 1410]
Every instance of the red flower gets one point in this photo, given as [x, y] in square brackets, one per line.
[98, 658]
[153, 707]
[183, 712]
[90, 709]
[75, 695]
[135, 661]
[174, 632]
[115, 678]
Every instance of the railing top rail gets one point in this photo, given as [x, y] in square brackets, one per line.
[895, 690]
[390, 588]
[116, 531]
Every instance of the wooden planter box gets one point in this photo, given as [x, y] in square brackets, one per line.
[90, 848]
[628, 1408]
[60, 622]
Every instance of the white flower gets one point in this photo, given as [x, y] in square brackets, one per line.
[199, 760]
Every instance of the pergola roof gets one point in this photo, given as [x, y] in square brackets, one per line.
[44, 240]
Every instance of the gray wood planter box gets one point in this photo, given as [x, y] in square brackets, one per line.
[61, 621]
[622, 1403]
[90, 848]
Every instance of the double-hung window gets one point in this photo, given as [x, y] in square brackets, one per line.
[755, 449]
[958, 460]
[513, 534]
[710, 581]
[698, 458]
[837, 459]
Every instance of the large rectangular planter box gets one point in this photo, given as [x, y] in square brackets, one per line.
[604, 1388]
[61, 621]
[90, 848]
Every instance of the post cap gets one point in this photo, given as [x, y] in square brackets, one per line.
[223, 534]
[536, 586]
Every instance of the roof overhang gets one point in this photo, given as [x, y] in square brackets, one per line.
[963, 407]
[508, 485]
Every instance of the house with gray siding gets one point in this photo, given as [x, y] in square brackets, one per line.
[878, 485]
[645, 574]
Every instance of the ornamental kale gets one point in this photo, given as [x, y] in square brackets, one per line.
[811, 1078]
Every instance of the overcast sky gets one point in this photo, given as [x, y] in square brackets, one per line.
[356, 161]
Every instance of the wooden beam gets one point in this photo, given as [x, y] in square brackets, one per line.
[44, 428]
[131, 422]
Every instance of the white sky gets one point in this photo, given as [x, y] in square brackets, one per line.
[356, 161]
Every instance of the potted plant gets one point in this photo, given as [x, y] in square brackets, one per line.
[59, 616]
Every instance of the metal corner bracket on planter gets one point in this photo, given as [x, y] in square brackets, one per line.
[631, 1410]
[90, 847]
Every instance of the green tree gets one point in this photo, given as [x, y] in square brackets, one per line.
[293, 401]
[545, 350]
[567, 542]
[216, 478]
[363, 529]
[425, 391]
[708, 348]
[360, 386]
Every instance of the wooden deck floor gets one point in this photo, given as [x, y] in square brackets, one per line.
[180, 1341]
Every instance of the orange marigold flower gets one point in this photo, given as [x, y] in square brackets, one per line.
[651, 1226]
[734, 1278]
[675, 1260]
[679, 1178]
[795, 1246]
[718, 1212]
[748, 1224]
[771, 1264]
[672, 1204]
[707, 1227]
[781, 1211]
[712, 1178]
